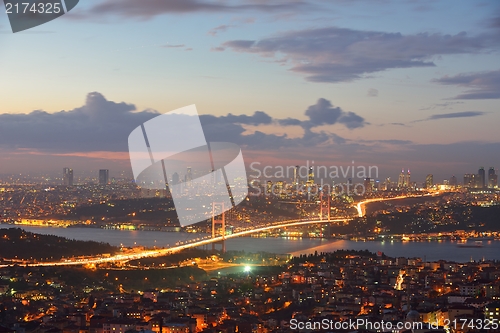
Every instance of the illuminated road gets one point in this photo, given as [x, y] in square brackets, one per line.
[360, 207]
[170, 250]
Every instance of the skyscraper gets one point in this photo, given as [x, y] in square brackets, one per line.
[388, 186]
[368, 186]
[401, 179]
[481, 178]
[103, 176]
[408, 179]
[453, 181]
[429, 181]
[68, 176]
[492, 178]
[189, 175]
[296, 175]
[468, 180]
[310, 177]
[175, 179]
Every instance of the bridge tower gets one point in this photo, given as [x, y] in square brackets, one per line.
[322, 206]
[220, 220]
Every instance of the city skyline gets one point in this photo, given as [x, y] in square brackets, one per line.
[296, 176]
[409, 84]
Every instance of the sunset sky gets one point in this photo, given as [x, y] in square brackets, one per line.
[413, 84]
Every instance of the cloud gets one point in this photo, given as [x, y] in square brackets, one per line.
[258, 118]
[95, 136]
[174, 46]
[101, 125]
[442, 106]
[464, 114]
[482, 85]
[147, 9]
[335, 54]
[229, 128]
[217, 49]
[220, 28]
[352, 120]
[224, 27]
[323, 113]
[289, 122]
[495, 22]
[372, 92]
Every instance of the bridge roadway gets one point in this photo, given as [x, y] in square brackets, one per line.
[170, 250]
[360, 206]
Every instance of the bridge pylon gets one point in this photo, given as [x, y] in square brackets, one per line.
[322, 207]
[222, 221]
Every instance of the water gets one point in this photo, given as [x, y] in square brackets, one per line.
[429, 250]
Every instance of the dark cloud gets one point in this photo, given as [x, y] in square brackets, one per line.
[323, 113]
[495, 22]
[99, 125]
[352, 120]
[258, 118]
[147, 9]
[464, 114]
[289, 122]
[482, 85]
[229, 128]
[102, 125]
[337, 55]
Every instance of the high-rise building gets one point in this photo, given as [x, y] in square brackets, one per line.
[368, 186]
[103, 176]
[388, 184]
[481, 178]
[492, 178]
[68, 176]
[453, 181]
[296, 175]
[468, 180]
[189, 174]
[404, 180]
[401, 179]
[310, 176]
[408, 179]
[429, 181]
[175, 179]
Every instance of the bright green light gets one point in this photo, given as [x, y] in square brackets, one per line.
[247, 269]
